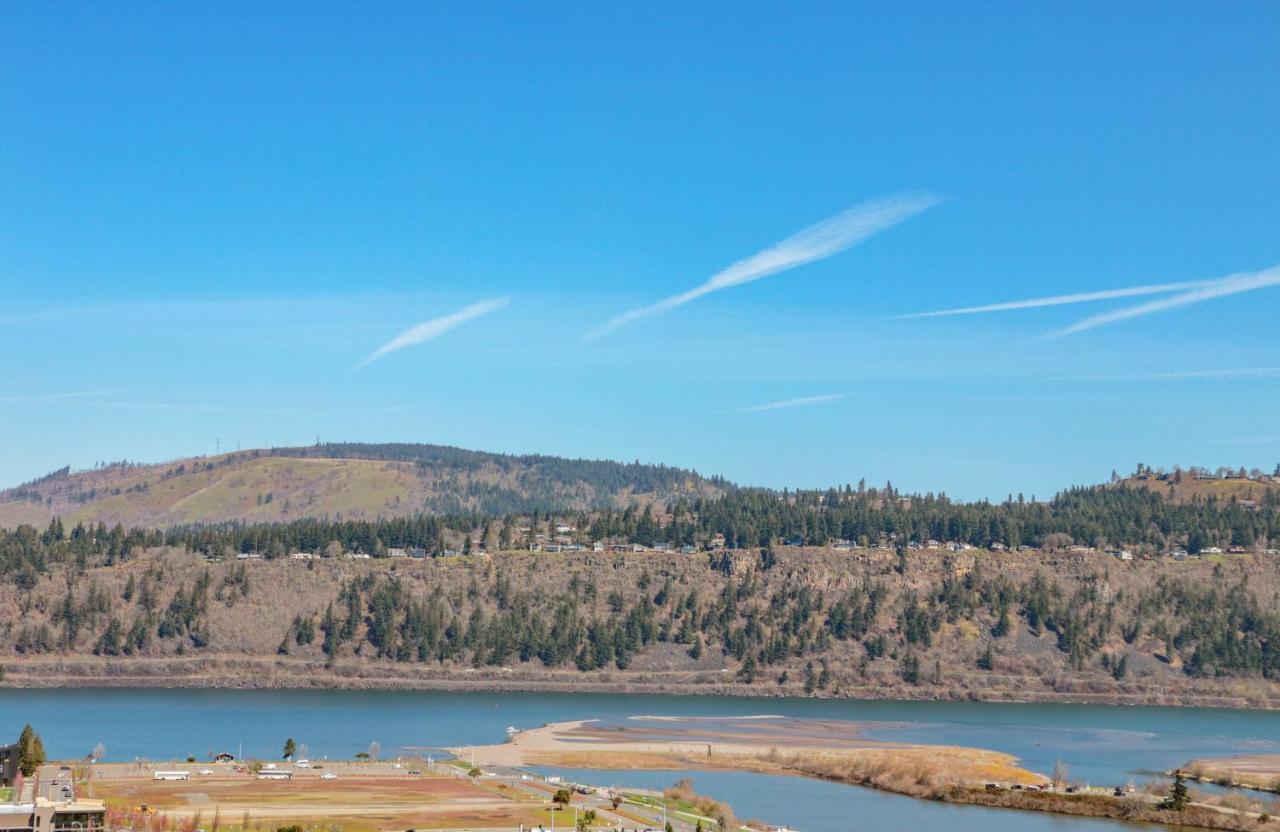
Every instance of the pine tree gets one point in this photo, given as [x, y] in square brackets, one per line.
[1177, 799]
[30, 751]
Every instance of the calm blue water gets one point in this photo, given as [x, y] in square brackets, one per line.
[1100, 744]
[817, 806]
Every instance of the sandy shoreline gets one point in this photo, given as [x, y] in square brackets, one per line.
[712, 744]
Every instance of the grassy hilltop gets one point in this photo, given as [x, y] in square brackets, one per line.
[345, 481]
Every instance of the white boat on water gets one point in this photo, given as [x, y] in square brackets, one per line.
[512, 730]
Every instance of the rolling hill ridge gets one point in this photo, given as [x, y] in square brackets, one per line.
[340, 481]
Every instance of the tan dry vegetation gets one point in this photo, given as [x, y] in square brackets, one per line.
[1192, 489]
[824, 749]
[1260, 772]
[299, 484]
[244, 631]
[354, 801]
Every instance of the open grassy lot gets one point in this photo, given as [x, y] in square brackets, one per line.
[362, 803]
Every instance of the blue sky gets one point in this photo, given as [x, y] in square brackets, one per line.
[210, 214]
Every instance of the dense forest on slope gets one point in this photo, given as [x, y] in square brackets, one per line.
[1099, 517]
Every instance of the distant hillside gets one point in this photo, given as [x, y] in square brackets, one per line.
[341, 481]
[1185, 487]
[870, 623]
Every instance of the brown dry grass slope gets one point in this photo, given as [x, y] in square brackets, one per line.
[287, 484]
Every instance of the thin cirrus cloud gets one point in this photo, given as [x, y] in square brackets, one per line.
[806, 401]
[434, 328]
[817, 242]
[1060, 300]
[1181, 294]
[1231, 285]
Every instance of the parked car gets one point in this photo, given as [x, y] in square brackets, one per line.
[328, 775]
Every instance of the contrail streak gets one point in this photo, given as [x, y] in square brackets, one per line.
[786, 403]
[1231, 285]
[829, 237]
[1060, 300]
[434, 328]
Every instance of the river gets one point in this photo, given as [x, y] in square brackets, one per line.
[1104, 745]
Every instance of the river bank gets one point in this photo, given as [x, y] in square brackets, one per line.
[840, 753]
[238, 672]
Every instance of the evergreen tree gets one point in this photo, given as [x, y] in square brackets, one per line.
[30, 751]
[1177, 799]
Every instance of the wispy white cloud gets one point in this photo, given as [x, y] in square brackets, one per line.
[827, 238]
[1231, 373]
[1060, 300]
[434, 328]
[787, 403]
[1231, 285]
